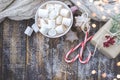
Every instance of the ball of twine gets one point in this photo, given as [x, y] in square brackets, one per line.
[100, 10]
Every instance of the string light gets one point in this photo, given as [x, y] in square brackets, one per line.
[118, 76]
[101, 9]
[108, 11]
[115, 8]
[96, 3]
[90, 0]
[104, 75]
[114, 79]
[94, 25]
[118, 64]
[93, 72]
[106, 1]
[78, 3]
[103, 17]
[94, 14]
[117, 11]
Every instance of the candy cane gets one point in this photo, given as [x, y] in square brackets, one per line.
[82, 45]
[82, 49]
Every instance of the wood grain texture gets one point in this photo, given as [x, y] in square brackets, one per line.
[13, 50]
[41, 58]
[1, 41]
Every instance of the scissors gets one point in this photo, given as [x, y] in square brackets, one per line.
[81, 45]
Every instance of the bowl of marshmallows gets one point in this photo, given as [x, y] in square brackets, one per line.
[54, 19]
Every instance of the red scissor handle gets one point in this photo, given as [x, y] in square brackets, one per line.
[82, 45]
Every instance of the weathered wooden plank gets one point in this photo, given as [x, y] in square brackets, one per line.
[71, 69]
[116, 68]
[14, 44]
[58, 65]
[39, 57]
[62, 70]
[1, 40]
[31, 60]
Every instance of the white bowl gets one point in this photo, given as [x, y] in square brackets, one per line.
[55, 2]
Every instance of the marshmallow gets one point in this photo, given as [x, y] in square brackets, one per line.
[64, 12]
[44, 30]
[50, 7]
[28, 31]
[53, 14]
[52, 32]
[46, 26]
[42, 22]
[38, 22]
[60, 29]
[59, 20]
[35, 28]
[51, 23]
[58, 8]
[43, 13]
[66, 21]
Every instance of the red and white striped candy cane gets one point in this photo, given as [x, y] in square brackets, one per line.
[82, 45]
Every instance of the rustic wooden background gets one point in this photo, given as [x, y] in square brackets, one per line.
[41, 58]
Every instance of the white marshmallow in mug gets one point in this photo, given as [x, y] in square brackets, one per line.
[53, 14]
[52, 32]
[58, 7]
[44, 30]
[67, 21]
[60, 29]
[51, 23]
[65, 12]
[59, 20]
[38, 22]
[50, 7]
[43, 13]
[42, 22]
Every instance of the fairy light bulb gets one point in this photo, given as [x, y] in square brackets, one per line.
[117, 11]
[98, 2]
[108, 11]
[114, 79]
[91, 1]
[118, 76]
[106, 1]
[78, 3]
[104, 75]
[118, 64]
[93, 72]
[103, 17]
[101, 9]
[94, 25]
[115, 8]
[94, 14]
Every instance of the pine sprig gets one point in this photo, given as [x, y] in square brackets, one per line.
[116, 27]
